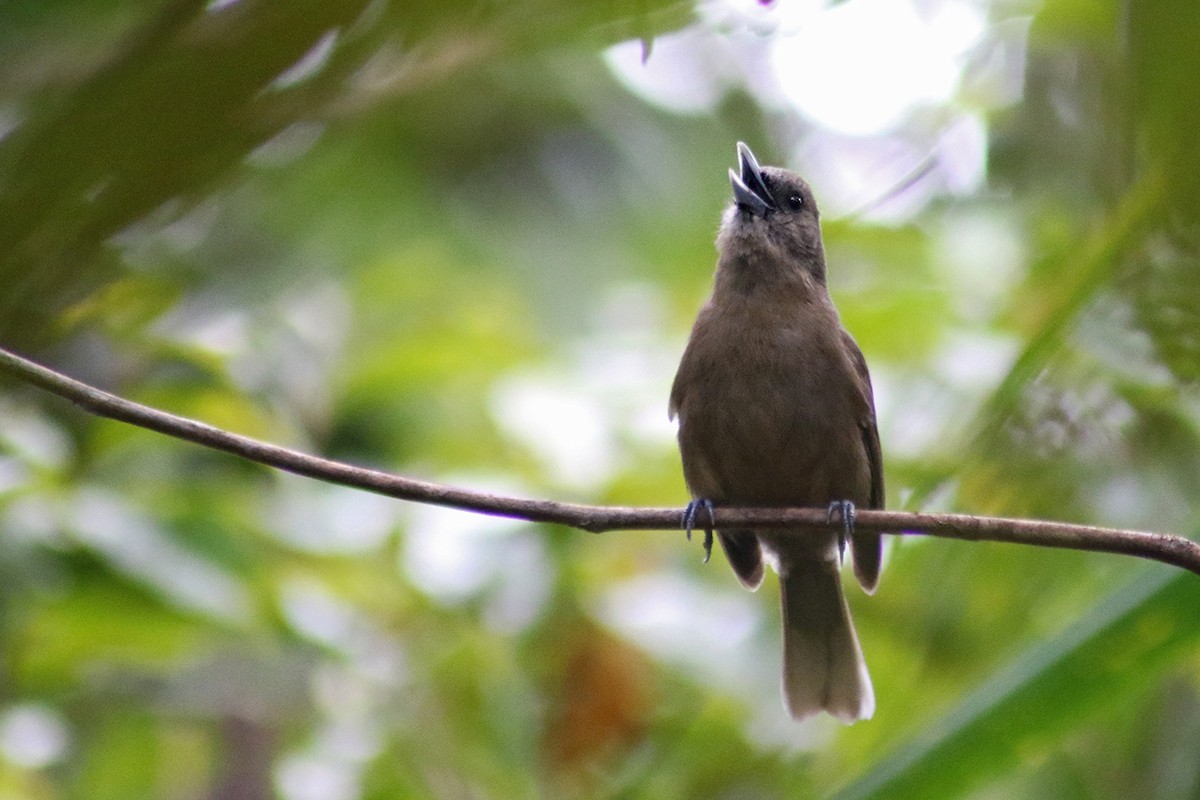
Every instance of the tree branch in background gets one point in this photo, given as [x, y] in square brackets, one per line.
[1170, 549]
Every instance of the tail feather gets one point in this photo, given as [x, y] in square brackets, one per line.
[823, 666]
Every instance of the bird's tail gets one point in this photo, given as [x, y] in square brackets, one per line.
[823, 666]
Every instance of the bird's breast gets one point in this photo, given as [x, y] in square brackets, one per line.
[770, 413]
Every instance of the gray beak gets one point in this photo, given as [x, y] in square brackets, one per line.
[749, 190]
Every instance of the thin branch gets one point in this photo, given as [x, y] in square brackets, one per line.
[1167, 548]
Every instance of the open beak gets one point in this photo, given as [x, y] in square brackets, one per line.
[749, 190]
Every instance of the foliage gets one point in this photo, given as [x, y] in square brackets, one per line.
[448, 240]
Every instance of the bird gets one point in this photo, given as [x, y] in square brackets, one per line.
[774, 407]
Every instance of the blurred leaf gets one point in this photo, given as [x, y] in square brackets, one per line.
[1122, 646]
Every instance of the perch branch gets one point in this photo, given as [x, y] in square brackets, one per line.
[1170, 549]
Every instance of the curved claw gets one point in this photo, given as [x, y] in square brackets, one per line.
[845, 510]
[689, 522]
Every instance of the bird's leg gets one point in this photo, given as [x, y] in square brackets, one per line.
[689, 522]
[844, 509]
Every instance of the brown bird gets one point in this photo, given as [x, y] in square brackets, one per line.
[775, 409]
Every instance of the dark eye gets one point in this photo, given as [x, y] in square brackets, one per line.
[795, 201]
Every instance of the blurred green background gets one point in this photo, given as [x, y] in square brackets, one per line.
[465, 241]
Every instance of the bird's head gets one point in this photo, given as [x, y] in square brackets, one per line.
[773, 227]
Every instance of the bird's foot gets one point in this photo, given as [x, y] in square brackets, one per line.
[689, 522]
[845, 510]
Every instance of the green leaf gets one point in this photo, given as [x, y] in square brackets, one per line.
[1117, 649]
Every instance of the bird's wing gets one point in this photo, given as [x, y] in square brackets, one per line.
[867, 548]
[870, 432]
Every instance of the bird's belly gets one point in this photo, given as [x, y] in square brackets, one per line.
[760, 437]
